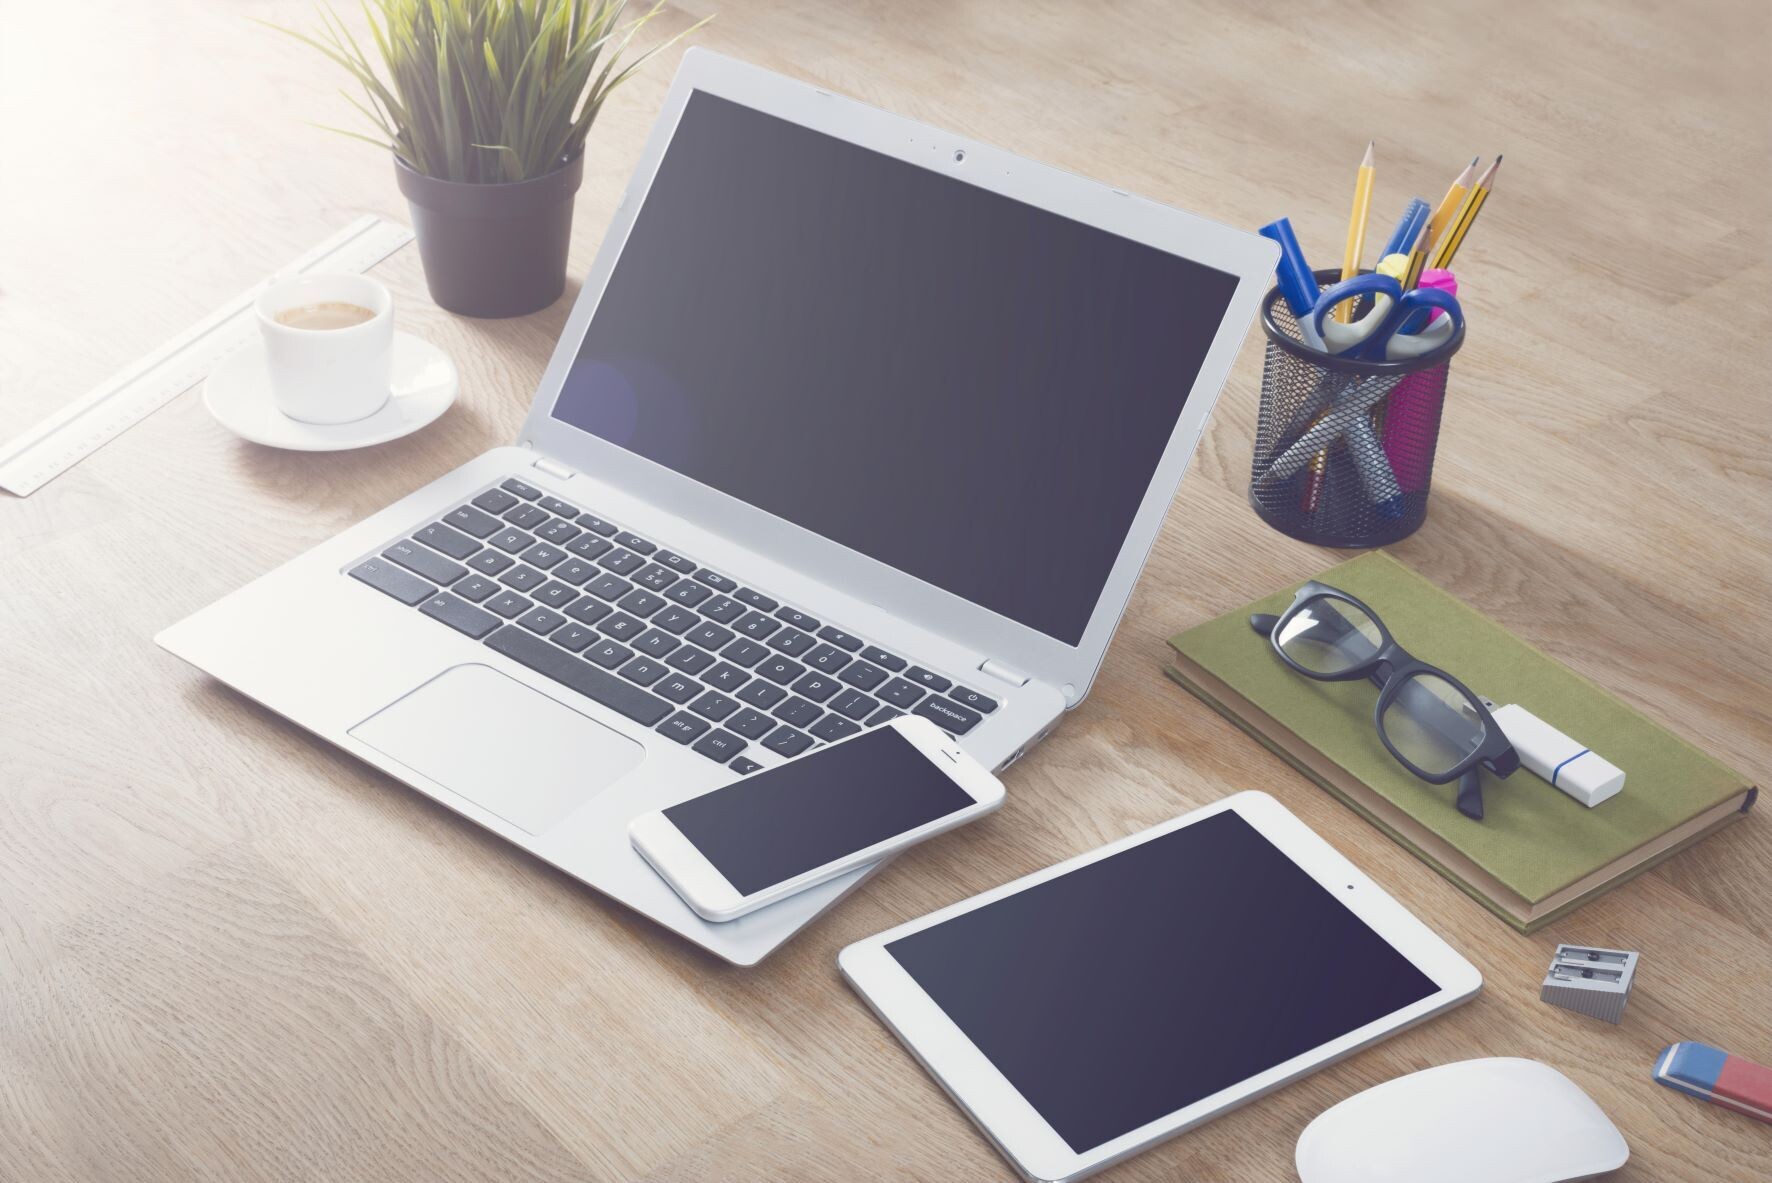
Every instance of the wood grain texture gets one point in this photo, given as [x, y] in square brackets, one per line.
[230, 952]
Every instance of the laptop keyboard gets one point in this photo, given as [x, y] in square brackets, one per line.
[652, 635]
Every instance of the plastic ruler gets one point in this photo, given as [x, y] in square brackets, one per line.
[130, 395]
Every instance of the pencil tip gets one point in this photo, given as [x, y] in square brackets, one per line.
[1474, 160]
[1366, 161]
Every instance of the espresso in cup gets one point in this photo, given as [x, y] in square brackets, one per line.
[329, 346]
[333, 314]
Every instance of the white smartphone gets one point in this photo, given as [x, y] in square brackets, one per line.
[787, 828]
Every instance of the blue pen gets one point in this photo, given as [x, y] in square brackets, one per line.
[1403, 237]
[1297, 284]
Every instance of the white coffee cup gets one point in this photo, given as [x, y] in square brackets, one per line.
[328, 375]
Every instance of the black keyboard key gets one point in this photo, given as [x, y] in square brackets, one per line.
[690, 660]
[745, 653]
[422, 560]
[472, 522]
[655, 642]
[725, 676]
[643, 671]
[675, 620]
[559, 508]
[588, 609]
[620, 561]
[900, 693]
[831, 728]
[817, 687]
[608, 654]
[785, 741]
[383, 576]
[762, 694]
[751, 724]
[622, 697]
[839, 638]
[720, 608]
[743, 765]
[511, 541]
[797, 711]
[885, 660]
[641, 603]
[622, 627]
[792, 641]
[474, 587]
[523, 578]
[573, 638]
[780, 669]
[459, 615]
[490, 562]
[854, 704]
[714, 705]
[509, 605]
[542, 555]
[609, 587]
[826, 659]
[447, 539]
[720, 746]
[541, 621]
[716, 580]
[558, 532]
[655, 577]
[687, 593]
[520, 489]
[883, 715]
[683, 727]
[756, 626]
[973, 699]
[710, 636]
[675, 562]
[636, 543]
[555, 594]
[596, 525]
[923, 677]
[863, 675]
[797, 618]
[588, 546]
[756, 599]
[495, 501]
[947, 714]
[678, 688]
[574, 571]
[526, 517]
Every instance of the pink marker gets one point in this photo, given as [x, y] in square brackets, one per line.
[1412, 414]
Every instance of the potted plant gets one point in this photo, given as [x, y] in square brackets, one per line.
[485, 106]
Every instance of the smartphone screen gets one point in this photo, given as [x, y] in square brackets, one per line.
[785, 821]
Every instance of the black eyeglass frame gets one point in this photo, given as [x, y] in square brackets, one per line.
[1390, 669]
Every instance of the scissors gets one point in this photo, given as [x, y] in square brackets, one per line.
[1385, 333]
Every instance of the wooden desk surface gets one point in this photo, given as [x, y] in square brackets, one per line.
[229, 952]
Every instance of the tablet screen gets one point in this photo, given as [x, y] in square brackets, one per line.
[1134, 986]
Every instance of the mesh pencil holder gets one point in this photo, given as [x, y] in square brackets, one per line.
[1368, 485]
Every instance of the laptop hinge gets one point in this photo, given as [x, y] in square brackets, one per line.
[554, 468]
[1003, 673]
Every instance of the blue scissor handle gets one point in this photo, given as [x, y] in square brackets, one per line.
[1348, 289]
[1409, 315]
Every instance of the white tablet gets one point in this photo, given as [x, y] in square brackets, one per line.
[1085, 1012]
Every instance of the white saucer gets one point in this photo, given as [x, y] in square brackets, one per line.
[238, 394]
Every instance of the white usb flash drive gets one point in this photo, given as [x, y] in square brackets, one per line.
[1565, 763]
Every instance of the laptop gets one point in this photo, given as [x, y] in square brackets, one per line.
[852, 418]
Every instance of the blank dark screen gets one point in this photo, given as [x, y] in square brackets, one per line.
[962, 386]
[1137, 985]
[776, 824]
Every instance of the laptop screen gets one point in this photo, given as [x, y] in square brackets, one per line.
[962, 386]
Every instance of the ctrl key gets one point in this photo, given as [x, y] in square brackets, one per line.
[460, 615]
[383, 576]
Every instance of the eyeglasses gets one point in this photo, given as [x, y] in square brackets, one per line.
[1428, 720]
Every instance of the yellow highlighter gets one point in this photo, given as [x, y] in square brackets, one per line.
[1356, 228]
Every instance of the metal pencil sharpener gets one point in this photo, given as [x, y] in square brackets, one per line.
[1592, 982]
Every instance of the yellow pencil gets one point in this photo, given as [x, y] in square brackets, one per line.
[1449, 203]
[1467, 214]
[1356, 229]
[1417, 260]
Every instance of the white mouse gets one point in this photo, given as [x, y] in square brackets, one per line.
[1476, 1121]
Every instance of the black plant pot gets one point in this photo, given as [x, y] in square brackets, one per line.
[493, 250]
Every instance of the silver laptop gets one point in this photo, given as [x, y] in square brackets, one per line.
[852, 417]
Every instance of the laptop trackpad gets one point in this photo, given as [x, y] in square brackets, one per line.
[511, 750]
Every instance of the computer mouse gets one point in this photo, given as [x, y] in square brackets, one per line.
[1476, 1121]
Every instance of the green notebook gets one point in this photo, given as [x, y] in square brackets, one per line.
[1537, 854]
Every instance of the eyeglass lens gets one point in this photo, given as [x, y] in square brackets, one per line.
[1432, 723]
[1328, 636]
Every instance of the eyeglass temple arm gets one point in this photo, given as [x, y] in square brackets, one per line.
[1470, 794]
